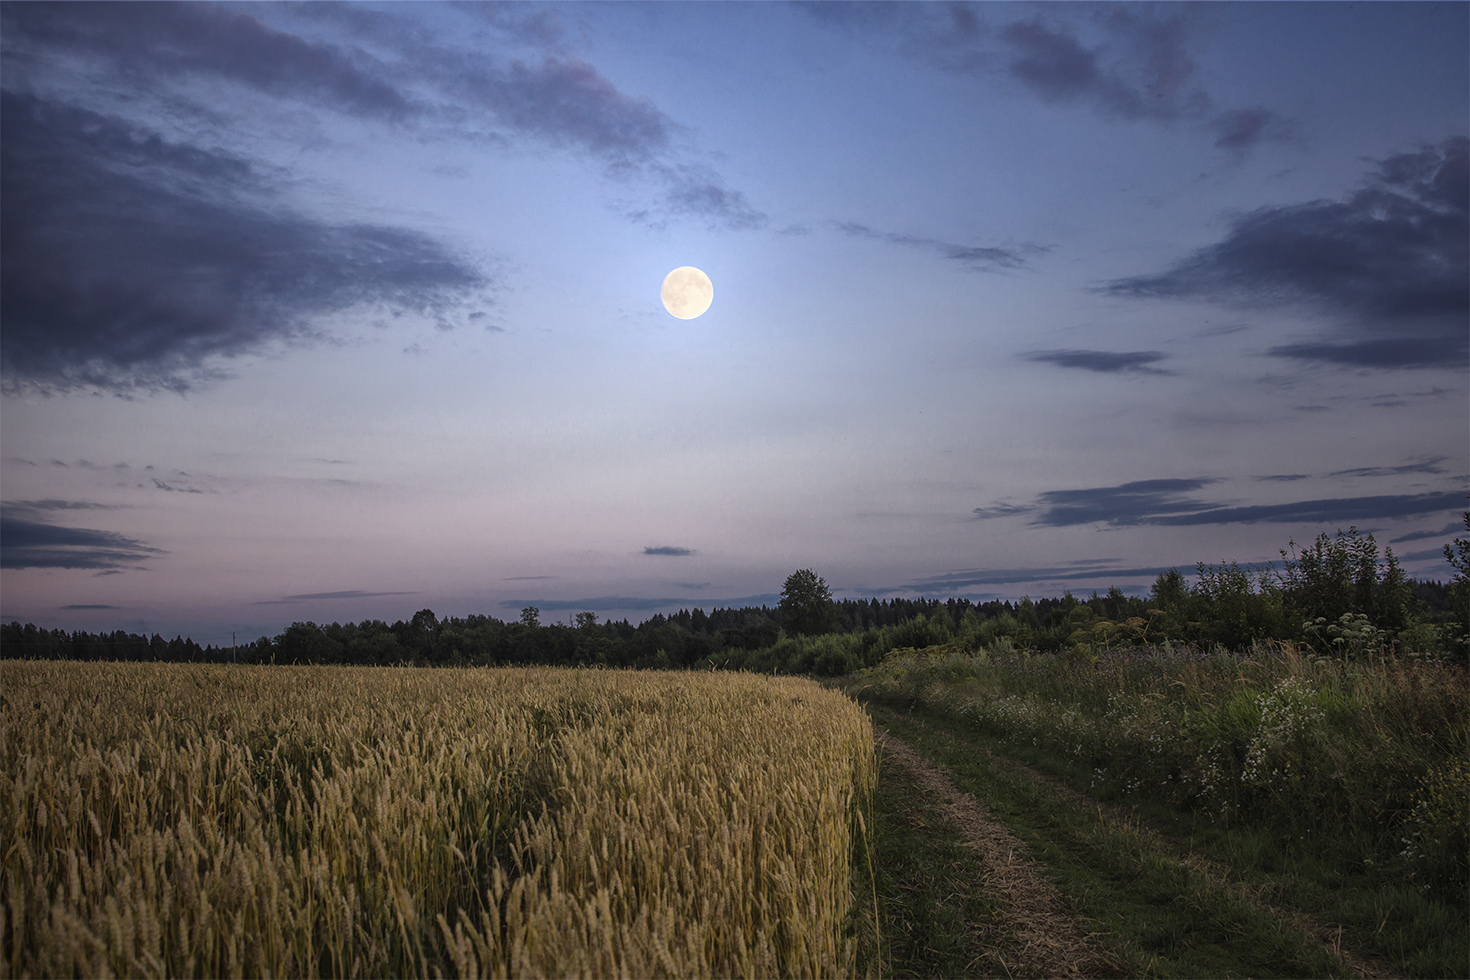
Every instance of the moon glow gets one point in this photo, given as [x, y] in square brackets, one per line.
[687, 292]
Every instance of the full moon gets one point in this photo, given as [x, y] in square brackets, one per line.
[687, 292]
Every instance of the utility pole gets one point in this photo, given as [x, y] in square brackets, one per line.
[232, 647]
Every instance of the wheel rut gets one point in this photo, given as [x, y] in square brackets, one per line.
[1048, 941]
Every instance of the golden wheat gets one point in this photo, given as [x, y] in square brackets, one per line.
[193, 820]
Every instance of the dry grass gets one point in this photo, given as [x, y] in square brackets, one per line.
[167, 820]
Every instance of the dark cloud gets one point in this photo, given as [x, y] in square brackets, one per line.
[31, 544]
[1170, 503]
[1390, 265]
[1141, 70]
[1054, 65]
[129, 262]
[1167, 503]
[1105, 362]
[668, 550]
[1443, 350]
[975, 257]
[90, 605]
[1430, 465]
[1283, 477]
[1338, 510]
[1139, 502]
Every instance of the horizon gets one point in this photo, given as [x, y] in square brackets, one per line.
[332, 313]
[664, 609]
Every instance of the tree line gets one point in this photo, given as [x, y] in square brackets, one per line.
[1337, 596]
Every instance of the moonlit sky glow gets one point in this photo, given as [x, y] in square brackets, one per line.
[336, 312]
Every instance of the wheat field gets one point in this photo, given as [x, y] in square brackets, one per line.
[206, 820]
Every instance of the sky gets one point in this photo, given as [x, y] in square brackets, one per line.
[338, 312]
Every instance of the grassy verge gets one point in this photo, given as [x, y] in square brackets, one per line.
[1178, 894]
[1159, 915]
[1337, 788]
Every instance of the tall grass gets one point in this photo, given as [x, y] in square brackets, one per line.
[1370, 753]
[166, 820]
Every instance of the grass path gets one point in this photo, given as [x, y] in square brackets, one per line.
[1058, 884]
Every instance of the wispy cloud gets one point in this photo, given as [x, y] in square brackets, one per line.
[316, 596]
[639, 603]
[390, 72]
[161, 485]
[669, 550]
[1103, 362]
[978, 258]
[949, 582]
[1241, 129]
[1389, 265]
[1428, 554]
[1002, 510]
[193, 41]
[1121, 62]
[33, 508]
[1430, 465]
[1448, 531]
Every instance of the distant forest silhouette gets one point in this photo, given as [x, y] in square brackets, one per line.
[1337, 596]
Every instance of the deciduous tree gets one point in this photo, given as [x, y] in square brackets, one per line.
[806, 604]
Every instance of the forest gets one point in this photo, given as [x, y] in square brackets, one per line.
[1337, 596]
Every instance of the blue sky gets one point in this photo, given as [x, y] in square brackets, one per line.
[337, 312]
